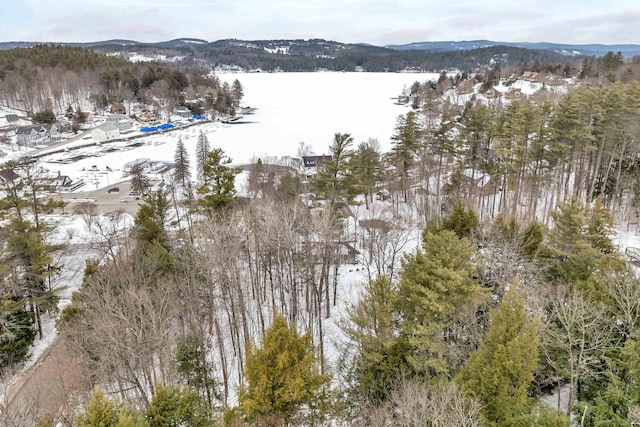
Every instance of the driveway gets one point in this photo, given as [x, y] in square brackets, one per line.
[105, 201]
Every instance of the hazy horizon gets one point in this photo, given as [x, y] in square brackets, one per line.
[377, 22]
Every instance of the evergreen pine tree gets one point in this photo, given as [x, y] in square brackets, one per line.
[139, 180]
[380, 360]
[152, 218]
[580, 241]
[218, 182]
[462, 220]
[281, 375]
[193, 365]
[334, 180]
[500, 372]
[104, 412]
[181, 171]
[202, 149]
[406, 142]
[531, 239]
[29, 262]
[78, 119]
[367, 168]
[175, 406]
[437, 288]
[16, 331]
[237, 92]
[101, 411]
[631, 358]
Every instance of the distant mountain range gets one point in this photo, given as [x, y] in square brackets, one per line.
[318, 54]
[628, 50]
[171, 44]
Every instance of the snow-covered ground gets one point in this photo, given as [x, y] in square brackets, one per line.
[312, 107]
[291, 108]
[75, 232]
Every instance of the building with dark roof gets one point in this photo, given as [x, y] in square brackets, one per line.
[38, 134]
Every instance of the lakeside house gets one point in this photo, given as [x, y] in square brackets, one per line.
[313, 164]
[38, 134]
[120, 121]
[106, 132]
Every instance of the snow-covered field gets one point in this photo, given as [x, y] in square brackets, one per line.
[312, 107]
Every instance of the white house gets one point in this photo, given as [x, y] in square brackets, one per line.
[122, 122]
[106, 132]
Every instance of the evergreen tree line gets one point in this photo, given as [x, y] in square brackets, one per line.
[375, 59]
[520, 158]
[502, 314]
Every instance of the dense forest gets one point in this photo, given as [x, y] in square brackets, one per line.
[485, 237]
[378, 59]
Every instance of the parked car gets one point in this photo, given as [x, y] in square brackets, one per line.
[113, 190]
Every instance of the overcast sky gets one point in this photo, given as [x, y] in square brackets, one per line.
[370, 21]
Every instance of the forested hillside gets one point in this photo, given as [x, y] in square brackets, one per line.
[455, 280]
[314, 54]
[53, 78]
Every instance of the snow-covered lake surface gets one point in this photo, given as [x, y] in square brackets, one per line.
[290, 108]
[312, 107]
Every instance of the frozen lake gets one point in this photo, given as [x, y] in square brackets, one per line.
[312, 107]
[291, 108]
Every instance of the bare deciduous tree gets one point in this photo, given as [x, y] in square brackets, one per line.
[576, 336]
[417, 404]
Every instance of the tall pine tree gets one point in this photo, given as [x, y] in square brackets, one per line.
[407, 140]
[218, 182]
[367, 168]
[335, 181]
[181, 171]
[437, 289]
[202, 149]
